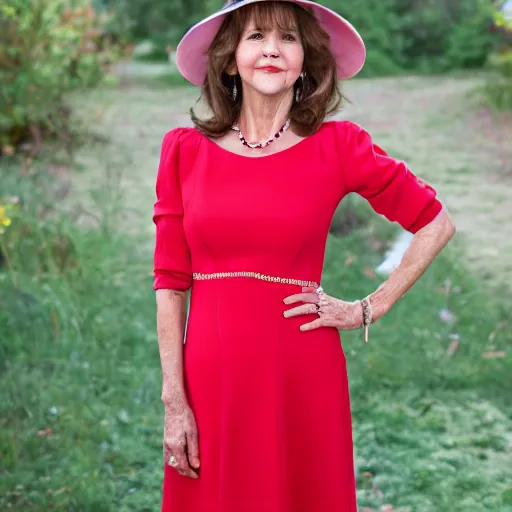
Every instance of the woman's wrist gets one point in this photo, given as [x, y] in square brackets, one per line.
[369, 311]
[380, 303]
[173, 392]
[379, 308]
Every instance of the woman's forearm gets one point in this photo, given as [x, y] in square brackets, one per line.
[426, 244]
[170, 319]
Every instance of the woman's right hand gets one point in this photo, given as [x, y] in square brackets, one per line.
[181, 437]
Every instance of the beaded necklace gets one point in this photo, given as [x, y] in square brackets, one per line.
[263, 143]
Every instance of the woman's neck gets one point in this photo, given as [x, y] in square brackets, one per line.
[261, 117]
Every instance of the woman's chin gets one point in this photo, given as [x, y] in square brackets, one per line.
[270, 92]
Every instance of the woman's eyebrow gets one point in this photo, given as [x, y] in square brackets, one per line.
[268, 29]
[257, 28]
[289, 29]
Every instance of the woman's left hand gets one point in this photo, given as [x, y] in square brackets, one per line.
[332, 312]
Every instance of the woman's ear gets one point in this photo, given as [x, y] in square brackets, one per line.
[232, 69]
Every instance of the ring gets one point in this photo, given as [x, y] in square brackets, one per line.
[172, 461]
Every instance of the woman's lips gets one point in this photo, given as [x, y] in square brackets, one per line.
[270, 69]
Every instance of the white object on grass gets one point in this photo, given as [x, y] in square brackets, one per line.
[395, 254]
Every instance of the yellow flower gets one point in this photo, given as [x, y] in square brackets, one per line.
[4, 220]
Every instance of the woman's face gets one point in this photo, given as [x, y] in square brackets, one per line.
[269, 60]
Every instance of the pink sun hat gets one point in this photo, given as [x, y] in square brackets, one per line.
[347, 46]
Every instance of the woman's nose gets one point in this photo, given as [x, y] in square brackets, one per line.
[271, 49]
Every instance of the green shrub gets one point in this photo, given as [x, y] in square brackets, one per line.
[503, 64]
[163, 22]
[352, 213]
[32, 236]
[498, 87]
[415, 36]
[47, 49]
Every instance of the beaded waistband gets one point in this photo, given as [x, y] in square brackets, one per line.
[254, 275]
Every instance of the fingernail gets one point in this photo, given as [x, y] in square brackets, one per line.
[285, 301]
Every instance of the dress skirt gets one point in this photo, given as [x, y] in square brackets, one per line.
[271, 404]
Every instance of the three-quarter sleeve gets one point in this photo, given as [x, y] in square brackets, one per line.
[389, 186]
[172, 265]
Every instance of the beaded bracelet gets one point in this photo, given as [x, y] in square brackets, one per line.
[367, 316]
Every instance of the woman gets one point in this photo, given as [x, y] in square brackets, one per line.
[257, 413]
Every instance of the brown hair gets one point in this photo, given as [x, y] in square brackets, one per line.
[319, 91]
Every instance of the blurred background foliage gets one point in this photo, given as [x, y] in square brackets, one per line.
[498, 89]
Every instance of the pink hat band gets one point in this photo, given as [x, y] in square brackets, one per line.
[346, 44]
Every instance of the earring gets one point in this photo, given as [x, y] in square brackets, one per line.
[300, 88]
[234, 89]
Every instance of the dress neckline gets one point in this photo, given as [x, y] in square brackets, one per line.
[246, 157]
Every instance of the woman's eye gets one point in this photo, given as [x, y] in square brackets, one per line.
[256, 35]
[289, 37]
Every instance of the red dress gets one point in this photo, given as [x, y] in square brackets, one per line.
[271, 402]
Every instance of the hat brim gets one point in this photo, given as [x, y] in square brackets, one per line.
[347, 46]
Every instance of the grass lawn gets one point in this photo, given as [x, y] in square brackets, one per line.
[80, 413]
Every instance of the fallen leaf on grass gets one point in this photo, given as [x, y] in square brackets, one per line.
[369, 272]
[375, 243]
[45, 432]
[494, 354]
[386, 508]
[500, 326]
[452, 348]
[349, 260]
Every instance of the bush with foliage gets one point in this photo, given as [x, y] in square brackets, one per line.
[48, 48]
[417, 36]
[498, 89]
[163, 22]
[32, 238]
